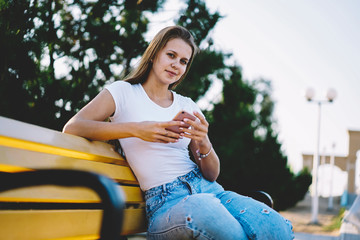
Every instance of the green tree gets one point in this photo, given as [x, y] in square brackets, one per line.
[198, 19]
[17, 66]
[94, 41]
[241, 129]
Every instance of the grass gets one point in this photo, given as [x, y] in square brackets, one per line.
[336, 222]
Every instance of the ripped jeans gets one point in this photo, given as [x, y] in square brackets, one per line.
[193, 208]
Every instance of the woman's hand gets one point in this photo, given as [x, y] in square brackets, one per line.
[156, 131]
[200, 143]
[198, 132]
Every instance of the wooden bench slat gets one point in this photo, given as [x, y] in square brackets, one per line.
[55, 194]
[12, 169]
[50, 194]
[39, 147]
[51, 224]
[28, 136]
[34, 160]
[134, 221]
[86, 237]
[133, 194]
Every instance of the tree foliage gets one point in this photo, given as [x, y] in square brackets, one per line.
[16, 62]
[96, 42]
[241, 129]
[197, 18]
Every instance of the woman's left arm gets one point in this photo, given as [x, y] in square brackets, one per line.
[200, 145]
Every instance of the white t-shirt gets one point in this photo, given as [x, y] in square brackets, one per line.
[154, 164]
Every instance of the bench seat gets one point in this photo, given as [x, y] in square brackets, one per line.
[53, 212]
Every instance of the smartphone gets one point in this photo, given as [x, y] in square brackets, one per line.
[180, 117]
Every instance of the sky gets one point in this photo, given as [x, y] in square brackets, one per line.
[296, 45]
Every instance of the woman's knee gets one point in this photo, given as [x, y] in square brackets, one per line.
[258, 220]
[205, 215]
[201, 205]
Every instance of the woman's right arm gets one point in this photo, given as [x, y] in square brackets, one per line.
[90, 123]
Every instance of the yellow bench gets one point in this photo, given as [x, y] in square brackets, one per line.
[55, 212]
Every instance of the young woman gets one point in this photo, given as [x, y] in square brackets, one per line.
[183, 200]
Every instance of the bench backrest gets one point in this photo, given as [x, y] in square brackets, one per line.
[51, 212]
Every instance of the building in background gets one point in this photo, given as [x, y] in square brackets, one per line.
[348, 164]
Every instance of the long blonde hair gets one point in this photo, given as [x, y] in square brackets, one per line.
[141, 72]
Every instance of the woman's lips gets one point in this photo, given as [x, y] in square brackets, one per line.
[171, 73]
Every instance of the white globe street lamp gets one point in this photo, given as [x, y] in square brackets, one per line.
[309, 95]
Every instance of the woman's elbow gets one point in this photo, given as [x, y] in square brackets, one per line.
[211, 175]
[211, 178]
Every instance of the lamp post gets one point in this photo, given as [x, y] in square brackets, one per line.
[332, 163]
[309, 95]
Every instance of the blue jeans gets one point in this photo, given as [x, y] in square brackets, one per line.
[193, 208]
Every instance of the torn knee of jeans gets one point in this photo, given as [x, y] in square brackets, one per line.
[189, 218]
[266, 211]
[228, 201]
[242, 211]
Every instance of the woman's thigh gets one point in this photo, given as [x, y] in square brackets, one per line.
[258, 220]
[198, 216]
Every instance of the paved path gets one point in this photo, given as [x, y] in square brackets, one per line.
[300, 216]
[309, 236]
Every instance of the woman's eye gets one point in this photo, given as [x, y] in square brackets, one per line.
[171, 55]
[183, 62]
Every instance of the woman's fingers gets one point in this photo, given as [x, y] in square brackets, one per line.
[200, 117]
[172, 131]
[198, 130]
[201, 124]
[169, 131]
[157, 132]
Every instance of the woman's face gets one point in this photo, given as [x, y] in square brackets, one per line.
[170, 63]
